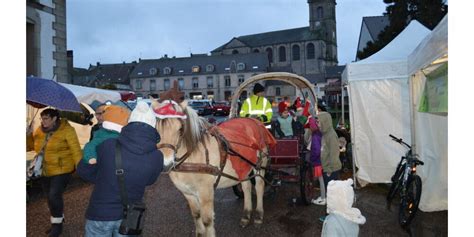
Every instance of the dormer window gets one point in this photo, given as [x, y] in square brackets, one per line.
[139, 73]
[241, 66]
[210, 68]
[167, 70]
[196, 69]
[227, 69]
[153, 71]
[181, 71]
[255, 67]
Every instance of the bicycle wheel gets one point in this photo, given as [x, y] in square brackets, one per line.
[396, 181]
[409, 203]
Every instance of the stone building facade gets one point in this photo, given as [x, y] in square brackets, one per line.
[305, 51]
[199, 76]
[46, 39]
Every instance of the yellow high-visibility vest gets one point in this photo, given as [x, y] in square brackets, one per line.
[251, 107]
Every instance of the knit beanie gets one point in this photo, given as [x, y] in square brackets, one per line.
[115, 117]
[144, 114]
[258, 88]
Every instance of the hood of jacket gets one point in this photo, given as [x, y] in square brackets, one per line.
[139, 138]
[340, 197]
[325, 122]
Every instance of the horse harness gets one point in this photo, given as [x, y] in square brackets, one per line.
[224, 150]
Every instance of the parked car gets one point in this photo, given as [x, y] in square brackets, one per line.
[221, 108]
[202, 107]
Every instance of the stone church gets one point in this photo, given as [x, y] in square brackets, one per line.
[305, 51]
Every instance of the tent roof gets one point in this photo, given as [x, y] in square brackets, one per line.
[433, 46]
[402, 45]
[391, 61]
[88, 95]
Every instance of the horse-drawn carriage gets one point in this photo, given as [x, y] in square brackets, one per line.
[289, 158]
[201, 157]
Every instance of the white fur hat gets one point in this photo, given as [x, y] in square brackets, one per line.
[143, 113]
[340, 197]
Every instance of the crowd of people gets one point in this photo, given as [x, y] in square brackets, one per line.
[134, 137]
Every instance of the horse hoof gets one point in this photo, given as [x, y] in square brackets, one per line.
[244, 223]
[258, 221]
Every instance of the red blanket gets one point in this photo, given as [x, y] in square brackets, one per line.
[246, 136]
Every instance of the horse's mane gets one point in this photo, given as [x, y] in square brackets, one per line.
[194, 129]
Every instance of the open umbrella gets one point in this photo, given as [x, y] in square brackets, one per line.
[43, 92]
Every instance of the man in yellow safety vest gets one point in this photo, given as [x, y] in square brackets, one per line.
[257, 106]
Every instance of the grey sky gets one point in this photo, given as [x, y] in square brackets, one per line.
[112, 31]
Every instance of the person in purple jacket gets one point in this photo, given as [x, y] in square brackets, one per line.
[142, 163]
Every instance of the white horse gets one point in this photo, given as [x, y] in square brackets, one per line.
[191, 142]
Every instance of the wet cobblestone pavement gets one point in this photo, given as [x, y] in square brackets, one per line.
[169, 215]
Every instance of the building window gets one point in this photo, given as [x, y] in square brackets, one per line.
[210, 68]
[270, 54]
[277, 91]
[138, 84]
[241, 79]
[210, 82]
[167, 70]
[166, 84]
[227, 81]
[282, 54]
[296, 52]
[256, 51]
[235, 51]
[310, 51]
[196, 69]
[195, 82]
[152, 85]
[180, 83]
[241, 66]
[153, 71]
[233, 66]
[319, 13]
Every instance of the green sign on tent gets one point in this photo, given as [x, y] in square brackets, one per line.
[435, 95]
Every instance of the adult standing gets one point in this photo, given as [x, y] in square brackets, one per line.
[142, 163]
[62, 153]
[99, 112]
[257, 106]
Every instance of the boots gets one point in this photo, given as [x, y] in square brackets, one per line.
[56, 230]
[56, 227]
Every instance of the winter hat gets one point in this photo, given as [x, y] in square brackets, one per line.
[297, 104]
[258, 88]
[282, 106]
[144, 114]
[115, 117]
[307, 105]
[340, 197]
[168, 110]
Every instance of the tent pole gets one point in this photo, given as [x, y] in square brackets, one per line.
[352, 141]
[412, 114]
[342, 103]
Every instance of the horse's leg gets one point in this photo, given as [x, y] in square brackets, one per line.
[207, 210]
[196, 213]
[247, 188]
[260, 189]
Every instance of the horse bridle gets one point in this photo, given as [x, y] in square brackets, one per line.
[174, 148]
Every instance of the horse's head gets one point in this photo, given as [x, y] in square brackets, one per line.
[180, 129]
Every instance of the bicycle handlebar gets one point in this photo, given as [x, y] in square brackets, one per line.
[399, 140]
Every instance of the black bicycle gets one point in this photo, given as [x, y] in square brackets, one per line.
[407, 183]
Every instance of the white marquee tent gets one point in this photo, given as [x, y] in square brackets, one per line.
[430, 131]
[379, 105]
[379, 100]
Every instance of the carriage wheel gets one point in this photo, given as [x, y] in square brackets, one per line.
[306, 183]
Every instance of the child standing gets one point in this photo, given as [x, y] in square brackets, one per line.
[315, 157]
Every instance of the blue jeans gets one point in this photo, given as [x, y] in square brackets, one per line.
[103, 228]
[54, 187]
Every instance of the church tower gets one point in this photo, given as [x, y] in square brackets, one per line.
[322, 21]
